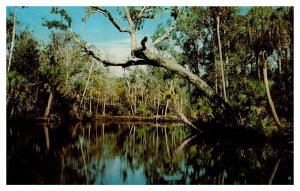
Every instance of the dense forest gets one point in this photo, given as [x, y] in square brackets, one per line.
[212, 65]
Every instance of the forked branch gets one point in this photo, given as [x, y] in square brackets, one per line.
[110, 17]
[164, 36]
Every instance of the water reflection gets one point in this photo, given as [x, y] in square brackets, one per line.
[137, 153]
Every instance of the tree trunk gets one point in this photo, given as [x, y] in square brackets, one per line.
[154, 100]
[157, 111]
[97, 107]
[90, 106]
[12, 40]
[12, 112]
[274, 172]
[266, 82]
[167, 143]
[135, 99]
[257, 68]
[286, 66]
[84, 162]
[166, 109]
[67, 63]
[279, 61]
[226, 72]
[87, 83]
[182, 116]
[47, 110]
[221, 61]
[167, 104]
[216, 69]
[249, 33]
[132, 110]
[223, 111]
[46, 132]
[104, 104]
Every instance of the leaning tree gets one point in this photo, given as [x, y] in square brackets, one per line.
[142, 54]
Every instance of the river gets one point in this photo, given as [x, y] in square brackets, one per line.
[137, 153]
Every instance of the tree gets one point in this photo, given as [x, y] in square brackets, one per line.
[186, 53]
[12, 38]
[220, 53]
[22, 79]
[266, 82]
[142, 56]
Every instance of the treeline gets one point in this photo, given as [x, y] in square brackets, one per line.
[225, 48]
[57, 80]
[239, 55]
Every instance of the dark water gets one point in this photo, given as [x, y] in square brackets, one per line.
[144, 153]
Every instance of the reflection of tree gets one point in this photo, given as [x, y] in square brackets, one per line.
[168, 156]
[31, 159]
[156, 153]
[46, 136]
[139, 145]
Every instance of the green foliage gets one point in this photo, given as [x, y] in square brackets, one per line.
[18, 93]
[257, 88]
[143, 109]
[138, 14]
[160, 30]
[193, 151]
[205, 110]
[26, 51]
[63, 24]
[61, 67]
[265, 123]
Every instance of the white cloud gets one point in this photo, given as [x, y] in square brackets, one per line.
[117, 50]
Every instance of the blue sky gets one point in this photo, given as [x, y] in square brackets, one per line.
[97, 30]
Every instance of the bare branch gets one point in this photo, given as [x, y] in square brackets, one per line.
[164, 36]
[132, 62]
[130, 22]
[110, 17]
[143, 14]
[132, 30]
[147, 17]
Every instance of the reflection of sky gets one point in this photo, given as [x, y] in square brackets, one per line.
[115, 170]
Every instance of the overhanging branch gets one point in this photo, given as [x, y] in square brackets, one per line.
[110, 17]
[131, 62]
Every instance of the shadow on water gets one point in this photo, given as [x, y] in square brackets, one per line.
[138, 153]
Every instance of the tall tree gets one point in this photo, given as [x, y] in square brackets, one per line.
[12, 38]
[266, 82]
[220, 53]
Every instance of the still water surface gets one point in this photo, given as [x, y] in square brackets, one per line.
[137, 153]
